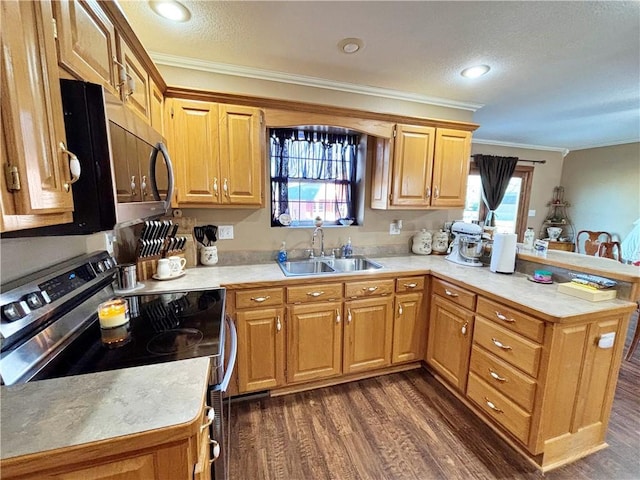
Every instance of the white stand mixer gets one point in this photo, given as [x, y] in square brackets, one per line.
[467, 246]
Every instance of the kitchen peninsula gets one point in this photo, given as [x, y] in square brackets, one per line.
[553, 335]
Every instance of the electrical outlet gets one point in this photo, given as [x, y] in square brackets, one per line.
[394, 229]
[225, 232]
[532, 213]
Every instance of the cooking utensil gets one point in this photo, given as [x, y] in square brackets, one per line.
[198, 233]
[211, 234]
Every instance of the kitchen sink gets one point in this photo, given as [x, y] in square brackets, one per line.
[319, 266]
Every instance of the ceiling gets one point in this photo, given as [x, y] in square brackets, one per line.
[564, 75]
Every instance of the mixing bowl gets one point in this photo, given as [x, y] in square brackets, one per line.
[470, 248]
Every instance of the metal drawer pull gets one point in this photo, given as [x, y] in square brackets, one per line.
[464, 328]
[348, 315]
[74, 166]
[370, 289]
[451, 294]
[337, 316]
[427, 193]
[501, 345]
[504, 319]
[215, 186]
[399, 309]
[211, 415]
[496, 376]
[410, 285]
[315, 294]
[492, 406]
[216, 450]
[260, 299]
[436, 191]
[278, 324]
[133, 184]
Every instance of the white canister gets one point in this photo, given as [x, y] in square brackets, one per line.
[209, 255]
[440, 242]
[422, 242]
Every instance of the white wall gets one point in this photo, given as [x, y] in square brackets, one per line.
[603, 187]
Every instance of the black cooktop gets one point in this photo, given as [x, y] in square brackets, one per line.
[162, 328]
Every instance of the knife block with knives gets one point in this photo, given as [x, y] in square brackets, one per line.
[157, 240]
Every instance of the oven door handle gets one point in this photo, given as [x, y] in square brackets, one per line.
[232, 357]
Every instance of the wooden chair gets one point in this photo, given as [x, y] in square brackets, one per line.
[588, 242]
[610, 250]
[636, 335]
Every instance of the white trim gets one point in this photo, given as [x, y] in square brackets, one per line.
[273, 76]
[608, 144]
[498, 143]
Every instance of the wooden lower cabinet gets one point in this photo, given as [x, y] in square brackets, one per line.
[409, 328]
[449, 342]
[314, 341]
[368, 332]
[261, 354]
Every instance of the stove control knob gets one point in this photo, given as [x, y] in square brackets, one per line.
[15, 311]
[100, 266]
[37, 299]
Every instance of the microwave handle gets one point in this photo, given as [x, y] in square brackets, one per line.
[160, 148]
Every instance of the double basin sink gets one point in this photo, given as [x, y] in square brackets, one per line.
[320, 266]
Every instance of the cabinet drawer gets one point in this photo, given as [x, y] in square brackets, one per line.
[512, 319]
[458, 295]
[500, 408]
[369, 288]
[504, 378]
[409, 284]
[314, 293]
[261, 297]
[515, 349]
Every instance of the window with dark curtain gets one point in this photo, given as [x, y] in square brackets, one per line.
[312, 175]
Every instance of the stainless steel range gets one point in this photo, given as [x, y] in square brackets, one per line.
[49, 328]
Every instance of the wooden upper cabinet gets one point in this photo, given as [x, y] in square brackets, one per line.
[156, 99]
[422, 167]
[87, 42]
[135, 91]
[217, 149]
[35, 167]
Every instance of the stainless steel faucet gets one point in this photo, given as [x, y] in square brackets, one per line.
[316, 232]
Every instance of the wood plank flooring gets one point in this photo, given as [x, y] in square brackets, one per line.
[406, 426]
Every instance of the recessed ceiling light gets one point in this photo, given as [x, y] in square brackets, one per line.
[350, 45]
[475, 71]
[171, 10]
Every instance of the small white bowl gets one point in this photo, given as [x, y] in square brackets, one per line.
[345, 221]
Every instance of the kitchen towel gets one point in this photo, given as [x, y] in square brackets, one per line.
[503, 253]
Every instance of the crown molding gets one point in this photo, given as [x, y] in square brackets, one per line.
[306, 81]
[498, 143]
[608, 144]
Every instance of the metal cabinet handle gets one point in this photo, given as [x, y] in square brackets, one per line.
[133, 184]
[260, 299]
[463, 330]
[436, 192]
[337, 316]
[399, 309]
[348, 315]
[427, 193]
[143, 186]
[450, 293]
[501, 345]
[74, 166]
[492, 406]
[496, 376]
[211, 415]
[278, 324]
[315, 294]
[370, 289]
[410, 285]
[216, 450]
[225, 187]
[215, 186]
[503, 318]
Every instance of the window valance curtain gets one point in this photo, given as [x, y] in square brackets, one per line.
[495, 173]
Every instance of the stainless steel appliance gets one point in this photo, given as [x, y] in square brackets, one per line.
[467, 246]
[49, 328]
[126, 172]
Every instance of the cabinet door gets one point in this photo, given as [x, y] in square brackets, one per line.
[32, 120]
[194, 150]
[86, 40]
[314, 341]
[241, 155]
[412, 165]
[449, 343]
[368, 333]
[260, 349]
[157, 107]
[136, 98]
[450, 168]
[409, 328]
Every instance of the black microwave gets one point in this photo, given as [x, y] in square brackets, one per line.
[126, 172]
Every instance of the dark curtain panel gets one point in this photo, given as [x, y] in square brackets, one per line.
[495, 173]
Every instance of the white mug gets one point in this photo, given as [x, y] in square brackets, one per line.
[209, 255]
[163, 269]
[177, 264]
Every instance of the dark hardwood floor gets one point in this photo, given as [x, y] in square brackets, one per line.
[407, 426]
